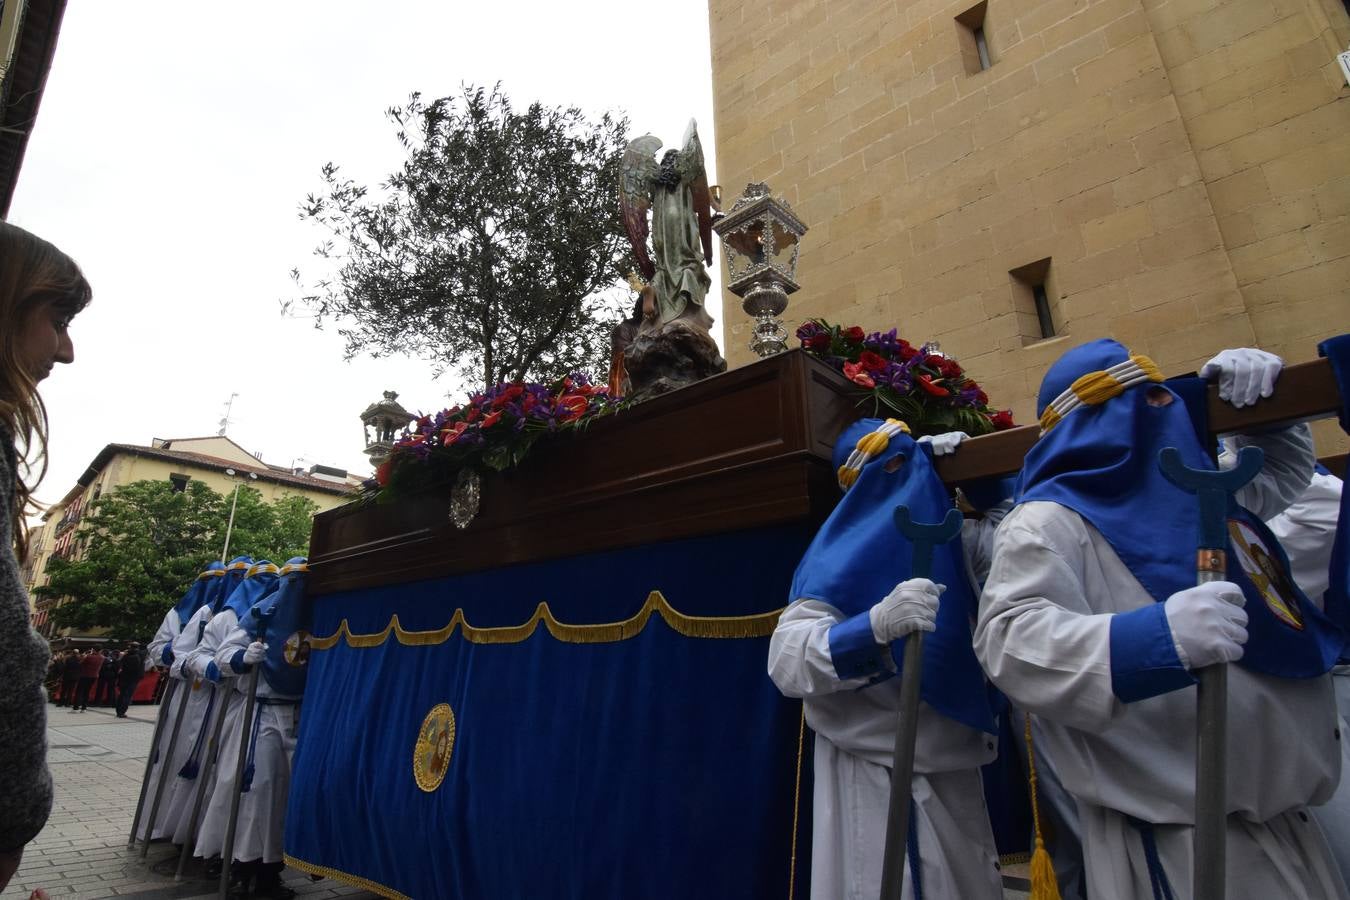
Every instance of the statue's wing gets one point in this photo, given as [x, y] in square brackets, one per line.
[638, 171]
[696, 176]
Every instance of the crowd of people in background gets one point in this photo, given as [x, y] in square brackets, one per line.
[96, 675]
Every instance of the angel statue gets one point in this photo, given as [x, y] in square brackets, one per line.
[675, 191]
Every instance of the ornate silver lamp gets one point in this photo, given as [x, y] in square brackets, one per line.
[761, 235]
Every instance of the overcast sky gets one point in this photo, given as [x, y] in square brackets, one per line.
[175, 141]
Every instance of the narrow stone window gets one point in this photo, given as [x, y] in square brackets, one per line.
[1033, 292]
[970, 33]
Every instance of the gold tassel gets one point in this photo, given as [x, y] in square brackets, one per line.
[1043, 883]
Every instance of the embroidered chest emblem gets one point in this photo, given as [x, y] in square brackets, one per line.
[1262, 565]
[435, 743]
[296, 651]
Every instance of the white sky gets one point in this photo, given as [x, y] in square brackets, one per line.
[175, 141]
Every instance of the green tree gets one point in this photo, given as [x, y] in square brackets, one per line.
[495, 249]
[143, 544]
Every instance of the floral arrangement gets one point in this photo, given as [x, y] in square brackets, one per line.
[925, 388]
[494, 429]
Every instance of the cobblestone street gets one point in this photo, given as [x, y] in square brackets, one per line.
[97, 761]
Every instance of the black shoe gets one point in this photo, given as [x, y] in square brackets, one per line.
[212, 869]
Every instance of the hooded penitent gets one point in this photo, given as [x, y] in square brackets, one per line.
[281, 621]
[260, 579]
[858, 556]
[1098, 455]
[200, 592]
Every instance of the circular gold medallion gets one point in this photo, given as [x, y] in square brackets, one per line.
[435, 743]
[297, 649]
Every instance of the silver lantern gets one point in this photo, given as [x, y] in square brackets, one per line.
[760, 235]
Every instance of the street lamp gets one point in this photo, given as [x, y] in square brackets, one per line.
[229, 527]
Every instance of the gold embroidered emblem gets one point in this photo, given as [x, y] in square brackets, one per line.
[1263, 568]
[435, 743]
[296, 651]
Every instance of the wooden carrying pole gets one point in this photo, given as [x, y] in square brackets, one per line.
[1304, 391]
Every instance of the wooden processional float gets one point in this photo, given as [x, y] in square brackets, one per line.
[570, 688]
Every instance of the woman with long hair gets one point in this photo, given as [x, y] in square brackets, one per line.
[41, 290]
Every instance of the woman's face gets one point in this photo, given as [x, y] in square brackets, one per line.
[44, 340]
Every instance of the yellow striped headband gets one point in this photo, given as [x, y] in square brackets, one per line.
[1096, 388]
[869, 446]
[236, 566]
[290, 568]
[261, 569]
[211, 573]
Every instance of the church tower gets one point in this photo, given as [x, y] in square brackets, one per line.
[383, 421]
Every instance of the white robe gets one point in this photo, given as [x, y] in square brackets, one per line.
[1307, 530]
[169, 629]
[175, 793]
[1043, 636]
[262, 809]
[854, 745]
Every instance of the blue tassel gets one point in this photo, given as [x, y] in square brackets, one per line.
[248, 779]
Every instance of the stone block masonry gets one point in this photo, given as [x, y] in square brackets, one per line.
[1181, 162]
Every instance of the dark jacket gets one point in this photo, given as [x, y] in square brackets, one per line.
[131, 667]
[70, 669]
[26, 789]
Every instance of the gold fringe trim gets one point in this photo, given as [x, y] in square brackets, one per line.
[1014, 859]
[761, 625]
[354, 880]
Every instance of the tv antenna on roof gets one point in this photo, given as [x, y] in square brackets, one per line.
[225, 421]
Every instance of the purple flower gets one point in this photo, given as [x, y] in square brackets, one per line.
[808, 330]
[885, 343]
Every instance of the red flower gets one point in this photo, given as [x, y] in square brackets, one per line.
[529, 403]
[926, 383]
[980, 396]
[491, 419]
[907, 351]
[1002, 420]
[472, 415]
[507, 396]
[854, 373]
[571, 406]
[934, 359]
[855, 334]
[818, 342]
[950, 368]
[453, 432]
[382, 473]
[871, 362]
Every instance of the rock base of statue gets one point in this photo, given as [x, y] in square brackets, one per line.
[670, 357]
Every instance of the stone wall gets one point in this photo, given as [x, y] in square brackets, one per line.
[1183, 165]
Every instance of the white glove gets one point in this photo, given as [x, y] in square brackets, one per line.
[1245, 374]
[910, 606]
[1208, 623]
[255, 653]
[194, 666]
[944, 444]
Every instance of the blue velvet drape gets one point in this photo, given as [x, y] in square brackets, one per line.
[658, 765]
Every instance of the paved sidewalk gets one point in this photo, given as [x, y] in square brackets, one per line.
[97, 762]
